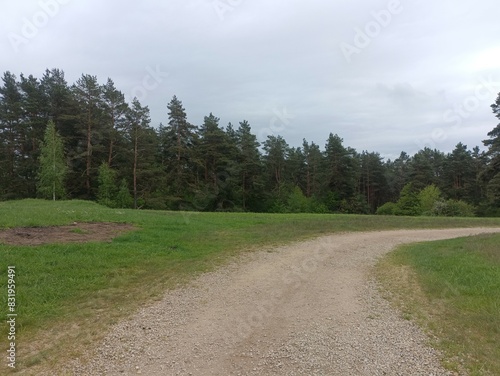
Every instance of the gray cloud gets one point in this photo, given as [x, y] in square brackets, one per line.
[250, 59]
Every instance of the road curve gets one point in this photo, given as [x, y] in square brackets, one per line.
[309, 308]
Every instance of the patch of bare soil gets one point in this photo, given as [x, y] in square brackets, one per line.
[75, 233]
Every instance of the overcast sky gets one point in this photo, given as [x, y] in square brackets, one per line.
[386, 76]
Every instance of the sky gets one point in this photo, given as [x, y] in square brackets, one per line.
[386, 76]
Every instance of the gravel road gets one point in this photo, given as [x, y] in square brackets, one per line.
[304, 309]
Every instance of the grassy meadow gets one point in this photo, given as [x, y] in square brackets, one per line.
[68, 294]
[452, 289]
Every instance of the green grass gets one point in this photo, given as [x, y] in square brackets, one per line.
[73, 292]
[452, 288]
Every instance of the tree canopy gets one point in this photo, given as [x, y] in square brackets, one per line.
[83, 140]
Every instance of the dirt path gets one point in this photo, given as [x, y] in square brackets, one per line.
[305, 309]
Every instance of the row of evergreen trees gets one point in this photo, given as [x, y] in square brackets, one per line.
[85, 141]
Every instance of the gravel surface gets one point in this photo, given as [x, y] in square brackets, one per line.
[304, 309]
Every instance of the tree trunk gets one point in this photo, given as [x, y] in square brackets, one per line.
[89, 152]
[135, 168]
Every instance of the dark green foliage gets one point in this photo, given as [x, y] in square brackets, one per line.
[493, 190]
[373, 182]
[12, 133]
[461, 175]
[178, 142]
[397, 175]
[90, 135]
[313, 163]
[491, 175]
[211, 168]
[339, 170]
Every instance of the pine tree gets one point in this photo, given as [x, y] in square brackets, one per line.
[295, 168]
[397, 175]
[115, 110]
[373, 183]
[493, 190]
[277, 151]
[11, 129]
[53, 169]
[249, 167]
[61, 105]
[479, 162]
[63, 110]
[211, 149]
[179, 139]
[214, 153]
[138, 133]
[460, 175]
[35, 119]
[493, 143]
[491, 175]
[339, 169]
[91, 149]
[421, 172]
[313, 163]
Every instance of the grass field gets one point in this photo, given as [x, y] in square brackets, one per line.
[68, 294]
[452, 288]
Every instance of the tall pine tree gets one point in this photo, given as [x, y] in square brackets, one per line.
[179, 139]
[248, 168]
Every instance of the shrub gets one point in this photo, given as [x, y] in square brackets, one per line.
[409, 202]
[453, 208]
[389, 208]
[107, 187]
[297, 202]
[123, 198]
[428, 197]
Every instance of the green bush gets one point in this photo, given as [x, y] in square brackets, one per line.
[297, 202]
[354, 205]
[107, 186]
[389, 208]
[453, 208]
[428, 197]
[487, 210]
[409, 202]
[123, 198]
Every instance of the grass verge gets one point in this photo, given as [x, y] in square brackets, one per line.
[452, 289]
[69, 294]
